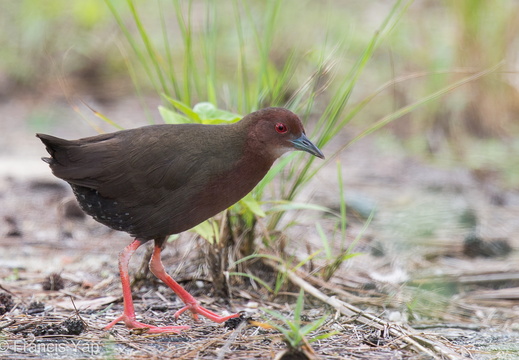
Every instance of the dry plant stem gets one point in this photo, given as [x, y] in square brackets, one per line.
[419, 343]
[195, 352]
[6, 325]
[344, 294]
[467, 279]
[25, 327]
[230, 341]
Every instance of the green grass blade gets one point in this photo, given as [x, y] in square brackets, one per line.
[169, 52]
[326, 125]
[184, 108]
[244, 104]
[255, 256]
[277, 315]
[152, 54]
[342, 204]
[136, 84]
[283, 206]
[281, 278]
[361, 232]
[411, 107]
[299, 307]
[187, 38]
[210, 50]
[131, 40]
[172, 117]
[323, 336]
[308, 328]
[103, 117]
[253, 277]
[324, 241]
[307, 259]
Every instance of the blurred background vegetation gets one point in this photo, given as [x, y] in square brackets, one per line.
[58, 48]
[355, 62]
[333, 62]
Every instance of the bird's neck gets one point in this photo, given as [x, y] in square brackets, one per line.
[233, 183]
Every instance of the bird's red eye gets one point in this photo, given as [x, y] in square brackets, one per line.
[281, 128]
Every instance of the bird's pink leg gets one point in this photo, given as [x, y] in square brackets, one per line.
[157, 268]
[128, 315]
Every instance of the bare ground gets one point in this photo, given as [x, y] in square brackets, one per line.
[418, 290]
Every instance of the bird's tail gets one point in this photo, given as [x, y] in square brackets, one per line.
[53, 145]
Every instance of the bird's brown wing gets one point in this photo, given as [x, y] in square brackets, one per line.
[154, 173]
[124, 163]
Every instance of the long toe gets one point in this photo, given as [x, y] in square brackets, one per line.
[149, 329]
[163, 329]
[200, 310]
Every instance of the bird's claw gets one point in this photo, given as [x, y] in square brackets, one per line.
[133, 324]
[196, 309]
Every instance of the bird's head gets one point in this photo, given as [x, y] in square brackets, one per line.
[278, 131]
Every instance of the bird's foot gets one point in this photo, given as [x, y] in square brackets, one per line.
[131, 323]
[197, 309]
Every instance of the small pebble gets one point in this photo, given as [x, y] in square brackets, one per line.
[35, 307]
[6, 302]
[67, 327]
[474, 246]
[53, 282]
[13, 227]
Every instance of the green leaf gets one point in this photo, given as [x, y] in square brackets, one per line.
[209, 113]
[294, 334]
[253, 205]
[293, 330]
[172, 238]
[207, 231]
[184, 108]
[282, 206]
[324, 336]
[308, 328]
[172, 117]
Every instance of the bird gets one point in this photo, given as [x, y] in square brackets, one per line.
[158, 180]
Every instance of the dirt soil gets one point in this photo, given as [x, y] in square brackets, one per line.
[439, 257]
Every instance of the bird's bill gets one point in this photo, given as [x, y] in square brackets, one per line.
[304, 144]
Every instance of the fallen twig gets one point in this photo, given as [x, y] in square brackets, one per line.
[419, 343]
[231, 340]
[9, 323]
[25, 327]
